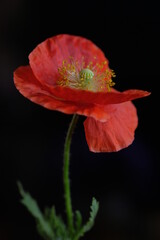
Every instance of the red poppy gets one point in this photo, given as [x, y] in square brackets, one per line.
[71, 74]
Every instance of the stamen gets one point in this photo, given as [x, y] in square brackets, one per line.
[91, 77]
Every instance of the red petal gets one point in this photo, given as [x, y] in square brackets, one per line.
[101, 98]
[64, 99]
[32, 89]
[116, 133]
[49, 55]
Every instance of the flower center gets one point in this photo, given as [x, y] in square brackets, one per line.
[86, 74]
[91, 77]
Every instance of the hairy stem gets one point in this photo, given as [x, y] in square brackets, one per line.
[66, 181]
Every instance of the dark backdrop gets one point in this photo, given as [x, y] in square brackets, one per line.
[127, 182]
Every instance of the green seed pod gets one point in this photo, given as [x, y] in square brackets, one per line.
[86, 74]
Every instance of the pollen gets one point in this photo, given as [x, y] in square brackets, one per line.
[87, 76]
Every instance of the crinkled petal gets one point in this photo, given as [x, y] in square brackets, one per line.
[114, 134]
[101, 98]
[64, 99]
[32, 89]
[48, 56]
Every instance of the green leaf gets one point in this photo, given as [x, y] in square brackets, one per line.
[43, 226]
[56, 223]
[93, 213]
[78, 220]
[50, 226]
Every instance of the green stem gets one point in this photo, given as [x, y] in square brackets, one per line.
[66, 181]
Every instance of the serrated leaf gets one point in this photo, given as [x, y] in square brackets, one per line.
[44, 227]
[93, 212]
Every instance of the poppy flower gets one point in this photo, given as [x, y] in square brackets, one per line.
[72, 75]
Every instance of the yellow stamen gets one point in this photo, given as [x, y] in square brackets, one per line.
[79, 75]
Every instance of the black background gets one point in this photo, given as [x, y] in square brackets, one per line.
[127, 182]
